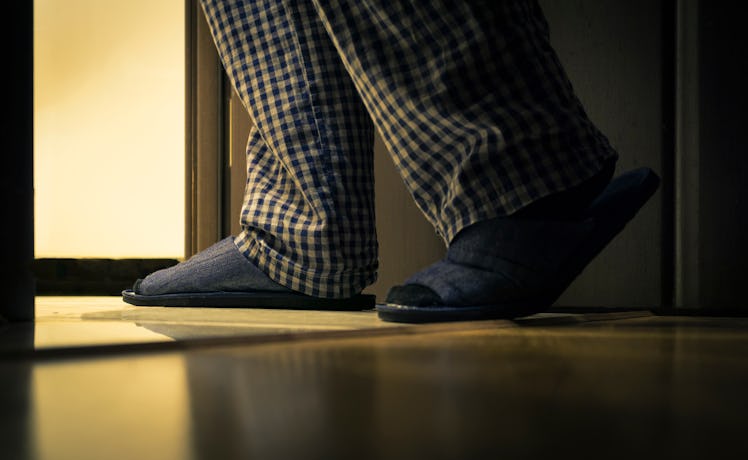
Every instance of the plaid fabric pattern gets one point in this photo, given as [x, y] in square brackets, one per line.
[308, 217]
[469, 97]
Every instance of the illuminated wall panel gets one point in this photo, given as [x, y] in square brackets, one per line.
[109, 128]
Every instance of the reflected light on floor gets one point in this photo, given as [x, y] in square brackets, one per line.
[111, 409]
[81, 334]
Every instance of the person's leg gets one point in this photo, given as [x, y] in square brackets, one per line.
[471, 101]
[308, 218]
[486, 130]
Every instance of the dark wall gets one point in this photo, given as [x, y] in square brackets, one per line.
[613, 52]
[723, 155]
[16, 178]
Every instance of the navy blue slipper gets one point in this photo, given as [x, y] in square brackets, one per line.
[608, 213]
[278, 300]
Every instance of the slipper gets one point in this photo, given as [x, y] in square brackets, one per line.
[608, 214]
[258, 299]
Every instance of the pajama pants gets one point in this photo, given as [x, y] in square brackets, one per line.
[468, 96]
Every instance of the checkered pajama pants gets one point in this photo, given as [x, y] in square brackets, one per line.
[468, 96]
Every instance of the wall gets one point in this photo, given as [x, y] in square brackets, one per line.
[721, 213]
[613, 53]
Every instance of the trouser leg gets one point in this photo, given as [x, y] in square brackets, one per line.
[471, 101]
[308, 216]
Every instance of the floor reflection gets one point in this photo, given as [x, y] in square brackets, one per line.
[15, 410]
[120, 408]
[514, 394]
[79, 322]
[650, 387]
[89, 333]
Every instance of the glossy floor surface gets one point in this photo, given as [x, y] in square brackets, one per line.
[570, 386]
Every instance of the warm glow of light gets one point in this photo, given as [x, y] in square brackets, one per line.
[144, 401]
[109, 128]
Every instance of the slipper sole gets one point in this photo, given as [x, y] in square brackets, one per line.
[274, 300]
[610, 212]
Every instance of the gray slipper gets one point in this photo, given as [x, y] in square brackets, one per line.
[254, 299]
[518, 295]
[220, 276]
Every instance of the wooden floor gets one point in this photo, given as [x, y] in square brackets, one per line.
[95, 379]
